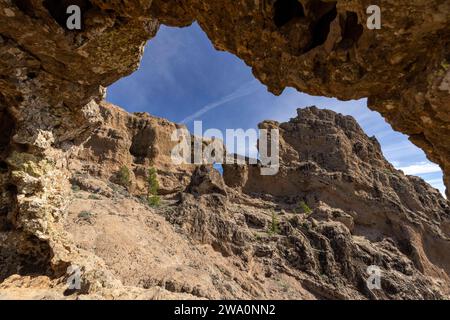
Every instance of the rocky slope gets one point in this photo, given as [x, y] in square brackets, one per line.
[243, 236]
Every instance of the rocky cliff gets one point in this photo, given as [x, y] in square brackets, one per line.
[327, 161]
[310, 232]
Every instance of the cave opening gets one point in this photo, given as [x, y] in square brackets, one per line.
[320, 28]
[287, 10]
[142, 143]
[26, 6]
[351, 30]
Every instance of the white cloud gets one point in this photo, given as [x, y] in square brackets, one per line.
[244, 90]
[421, 168]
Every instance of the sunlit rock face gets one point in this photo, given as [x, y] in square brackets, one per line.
[52, 81]
[326, 160]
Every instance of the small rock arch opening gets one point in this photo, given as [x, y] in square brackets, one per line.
[7, 125]
[142, 142]
[25, 6]
[287, 10]
[326, 13]
[351, 30]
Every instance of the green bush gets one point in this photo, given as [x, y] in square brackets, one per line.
[274, 225]
[75, 187]
[123, 177]
[86, 216]
[153, 199]
[152, 181]
[304, 208]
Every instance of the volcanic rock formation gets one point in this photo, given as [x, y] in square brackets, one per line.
[310, 232]
[328, 161]
[53, 80]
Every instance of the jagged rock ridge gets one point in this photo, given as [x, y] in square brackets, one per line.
[209, 240]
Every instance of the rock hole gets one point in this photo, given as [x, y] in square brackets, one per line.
[8, 205]
[25, 6]
[22, 148]
[3, 167]
[58, 8]
[31, 75]
[18, 99]
[286, 10]
[7, 127]
[33, 258]
[141, 146]
[325, 14]
[351, 30]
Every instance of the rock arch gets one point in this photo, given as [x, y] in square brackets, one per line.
[52, 79]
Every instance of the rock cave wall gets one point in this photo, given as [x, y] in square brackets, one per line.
[52, 79]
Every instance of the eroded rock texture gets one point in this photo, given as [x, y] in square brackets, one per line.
[310, 232]
[52, 81]
[328, 161]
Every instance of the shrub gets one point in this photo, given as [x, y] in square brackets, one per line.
[152, 181]
[153, 199]
[260, 236]
[85, 216]
[304, 208]
[274, 225]
[123, 177]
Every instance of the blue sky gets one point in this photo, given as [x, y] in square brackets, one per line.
[183, 78]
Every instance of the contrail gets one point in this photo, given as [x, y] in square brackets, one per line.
[244, 90]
